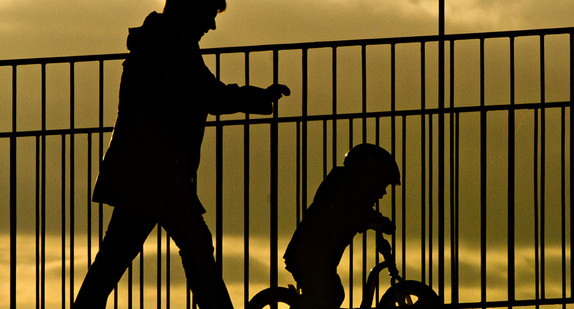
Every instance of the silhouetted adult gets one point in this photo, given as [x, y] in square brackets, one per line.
[148, 171]
[342, 207]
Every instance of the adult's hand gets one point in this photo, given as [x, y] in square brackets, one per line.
[276, 91]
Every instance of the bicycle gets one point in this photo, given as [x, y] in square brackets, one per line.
[402, 293]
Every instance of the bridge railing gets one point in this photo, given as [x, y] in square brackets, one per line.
[483, 214]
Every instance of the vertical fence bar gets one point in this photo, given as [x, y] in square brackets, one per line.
[325, 148]
[246, 196]
[364, 89]
[304, 111]
[43, 194]
[393, 131]
[404, 197]
[563, 201]
[570, 151]
[536, 211]
[333, 112]
[100, 143]
[537, 198]
[218, 179]
[100, 146]
[13, 196]
[63, 219]
[430, 214]
[167, 274]
[483, 180]
[453, 206]
[158, 266]
[441, 148]
[88, 199]
[334, 108]
[423, 161]
[72, 178]
[274, 179]
[377, 204]
[298, 206]
[542, 169]
[117, 292]
[297, 173]
[457, 202]
[334, 138]
[364, 111]
[351, 247]
[364, 93]
[511, 179]
[37, 220]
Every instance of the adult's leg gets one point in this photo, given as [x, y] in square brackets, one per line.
[190, 233]
[126, 234]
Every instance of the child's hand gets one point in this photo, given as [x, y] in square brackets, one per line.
[388, 227]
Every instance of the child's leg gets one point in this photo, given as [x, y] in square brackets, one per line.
[321, 289]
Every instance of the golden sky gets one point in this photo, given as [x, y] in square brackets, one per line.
[42, 28]
[46, 28]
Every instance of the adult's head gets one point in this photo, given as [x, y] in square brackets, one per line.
[196, 17]
[373, 168]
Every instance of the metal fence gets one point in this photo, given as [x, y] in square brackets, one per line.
[480, 125]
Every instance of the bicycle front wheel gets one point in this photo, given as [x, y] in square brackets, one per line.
[409, 294]
[271, 298]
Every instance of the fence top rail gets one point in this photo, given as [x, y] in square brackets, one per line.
[311, 118]
[308, 45]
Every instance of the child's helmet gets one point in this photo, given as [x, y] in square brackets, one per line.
[371, 157]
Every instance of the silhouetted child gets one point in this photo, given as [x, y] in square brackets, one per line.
[342, 207]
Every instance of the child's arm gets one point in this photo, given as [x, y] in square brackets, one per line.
[379, 223]
[384, 248]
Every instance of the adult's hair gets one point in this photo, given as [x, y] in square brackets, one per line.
[179, 6]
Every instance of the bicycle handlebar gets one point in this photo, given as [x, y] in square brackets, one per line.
[384, 248]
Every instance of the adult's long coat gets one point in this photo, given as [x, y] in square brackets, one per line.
[166, 94]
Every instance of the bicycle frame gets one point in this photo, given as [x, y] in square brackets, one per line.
[372, 283]
[384, 248]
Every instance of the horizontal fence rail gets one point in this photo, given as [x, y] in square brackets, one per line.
[483, 213]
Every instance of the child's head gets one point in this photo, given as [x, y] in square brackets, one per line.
[373, 168]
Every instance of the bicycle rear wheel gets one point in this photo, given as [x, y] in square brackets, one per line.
[409, 294]
[272, 297]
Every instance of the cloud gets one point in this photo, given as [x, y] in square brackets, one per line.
[67, 27]
[470, 264]
[297, 21]
[492, 15]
